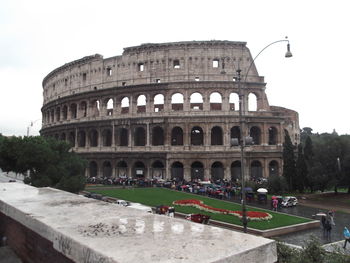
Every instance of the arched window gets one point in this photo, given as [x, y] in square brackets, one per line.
[252, 102]
[217, 172]
[122, 169]
[177, 136]
[58, 114]
[107, 137]
[177, 102]
[93, 138]
[93, 169]
[123, 137]
[107, 169]
[158, 171]
[256, 171]
[65, 112]
[125, 105]
[236, 171]
[83, 109]
[236, 133]
[215, 101]
[273, 168]
[141, 104]
[71, 139]
[197, 136]
[197, 171]
[140, 137]
[81, 139]
[196, 101]
[272, 136]
[234, 102]
[216, 136]
[177, 171]
[158, 103]
[157, 136]
[73, 111]
[109, 107]
[139, 170]
[255, 133]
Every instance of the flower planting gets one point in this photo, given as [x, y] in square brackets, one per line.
[251, 215]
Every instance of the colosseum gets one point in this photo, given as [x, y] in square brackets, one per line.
[168, 111]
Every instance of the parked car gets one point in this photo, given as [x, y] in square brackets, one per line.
[289, 201]
[198, 218]
[122, 203]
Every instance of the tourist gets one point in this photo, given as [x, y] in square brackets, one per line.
[328, 226]
[346, 236]
[275, 204]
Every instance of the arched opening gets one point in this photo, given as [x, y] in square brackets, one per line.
[216, 136]
[158, 103]
[256, 171]
[52, 116]
[140, 136]
[107, 169]
[125, 105]
[217, 172]
[255, 133]
[81, 139]
[123, 137]
[273, 168]
[234, 102]
[177, 102]
[58, 114]
[141, 104]
[122, 169]
[107, 137]
[196, 101]
[95, 108]
[236, 171]
[158, 171]
[197, 136]
[73, 111]
[139, 170]
[109, 107]
[65, 112]
[71, 139]
[177, 136]
[215, 101]
[83, 109]
[236, 133]
[93, 169]
[93, 138]
[252, 102]
[177, 172]
[157, 136]
[272, 136]
[197, 171]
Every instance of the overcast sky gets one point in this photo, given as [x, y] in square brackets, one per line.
[39, 36]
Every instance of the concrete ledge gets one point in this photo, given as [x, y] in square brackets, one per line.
[87, 230]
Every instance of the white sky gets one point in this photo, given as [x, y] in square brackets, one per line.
[38, 36]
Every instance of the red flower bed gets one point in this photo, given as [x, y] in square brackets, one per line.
[252, 215]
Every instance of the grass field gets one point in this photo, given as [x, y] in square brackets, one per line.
[161, 196]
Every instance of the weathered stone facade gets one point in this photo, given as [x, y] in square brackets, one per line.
[167, 110]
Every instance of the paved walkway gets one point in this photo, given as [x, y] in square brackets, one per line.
[337, 247]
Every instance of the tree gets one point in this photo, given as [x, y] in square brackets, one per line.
[50, 162]
[301, 170]
[289, 170]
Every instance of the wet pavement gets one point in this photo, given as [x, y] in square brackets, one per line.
[298, 238]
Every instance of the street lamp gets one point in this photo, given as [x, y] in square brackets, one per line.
[247, 140]
[31, 125]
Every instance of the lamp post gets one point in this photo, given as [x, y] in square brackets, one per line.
[31, 125]
[247, 140]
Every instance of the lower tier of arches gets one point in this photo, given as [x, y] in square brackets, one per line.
[184, 166]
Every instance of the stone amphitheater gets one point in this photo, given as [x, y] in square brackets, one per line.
[167, 111]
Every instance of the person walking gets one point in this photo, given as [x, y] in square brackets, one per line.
[346, 236]
[275, 204]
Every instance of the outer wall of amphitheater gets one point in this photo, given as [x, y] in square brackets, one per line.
[167, 111]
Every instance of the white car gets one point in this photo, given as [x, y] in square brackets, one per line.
[289, 201]
[134, 205]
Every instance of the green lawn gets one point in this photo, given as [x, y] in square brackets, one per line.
[161, 196]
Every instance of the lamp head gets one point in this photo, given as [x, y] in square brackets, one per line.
[288, 53]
